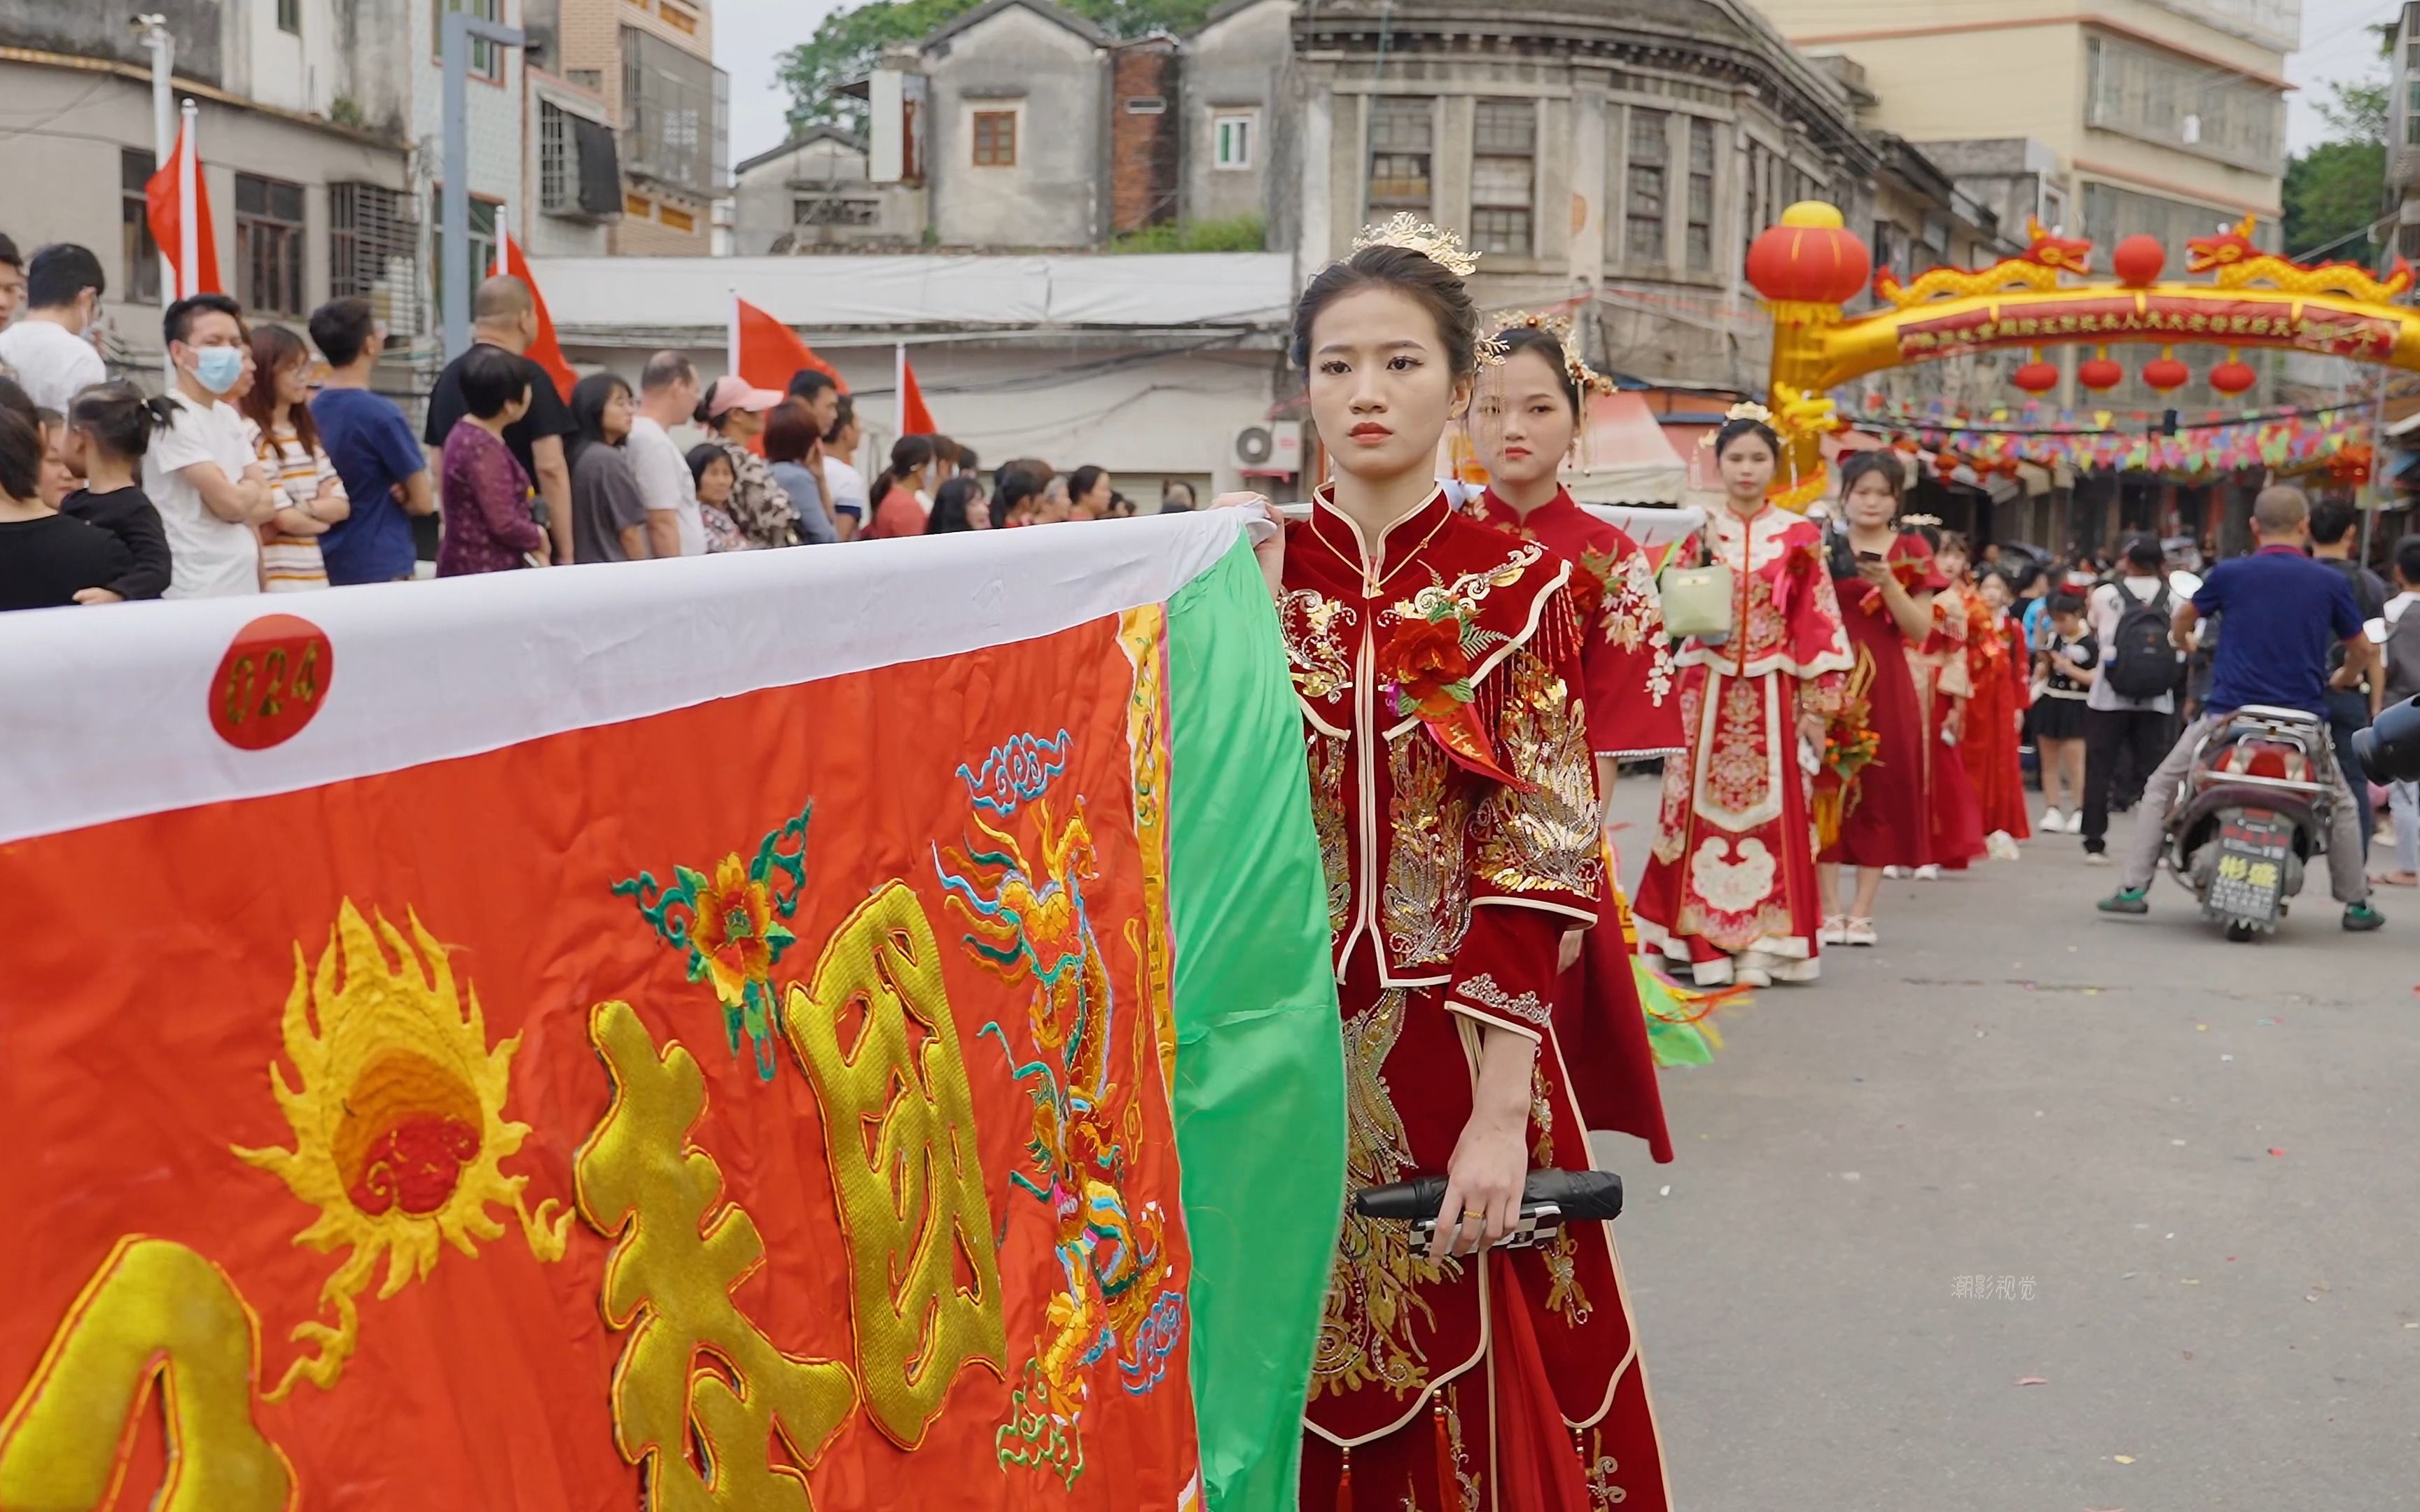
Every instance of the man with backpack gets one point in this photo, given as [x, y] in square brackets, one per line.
[2130, 719]
[2285, 612]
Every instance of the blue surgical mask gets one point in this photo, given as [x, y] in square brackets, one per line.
[217, 368]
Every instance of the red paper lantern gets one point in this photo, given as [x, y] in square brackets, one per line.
[2166, 373]
[2036, 376]
[2100, 373]
[1810, 259]
[2233, 375]
[2138, 260]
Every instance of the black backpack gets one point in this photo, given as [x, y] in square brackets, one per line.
[2143, 664]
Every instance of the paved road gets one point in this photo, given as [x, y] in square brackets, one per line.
[2223, 1253]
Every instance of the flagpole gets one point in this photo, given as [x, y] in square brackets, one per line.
[162, 44]
[899, 378]
[189, 219]
[731, 337]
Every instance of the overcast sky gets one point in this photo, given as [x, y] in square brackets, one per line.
[2337, 44]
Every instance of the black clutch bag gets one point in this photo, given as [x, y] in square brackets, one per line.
[1549, 1199]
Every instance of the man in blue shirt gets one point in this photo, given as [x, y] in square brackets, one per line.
[374, 451]
[2284, 613]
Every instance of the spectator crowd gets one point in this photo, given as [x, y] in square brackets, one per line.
[272, 464]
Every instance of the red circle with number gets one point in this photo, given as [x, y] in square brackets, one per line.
[271, 682]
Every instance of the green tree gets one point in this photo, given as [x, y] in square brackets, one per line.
[846, 44]
[2335, 192]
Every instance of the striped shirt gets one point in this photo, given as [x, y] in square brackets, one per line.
[289, 563]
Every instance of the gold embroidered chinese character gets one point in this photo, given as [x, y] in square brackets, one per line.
[155, 1314]
[696, 1372]
[899, 1132]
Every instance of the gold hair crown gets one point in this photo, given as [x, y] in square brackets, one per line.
[1584, 377]
[1748, 410]
[1916, 521]
[1434, 242]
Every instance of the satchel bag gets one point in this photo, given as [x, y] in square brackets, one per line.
[1697, 601]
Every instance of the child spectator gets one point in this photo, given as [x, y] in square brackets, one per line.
[2063, 681]
[109, 429]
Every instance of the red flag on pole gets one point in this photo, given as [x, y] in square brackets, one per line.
[164, 203]
[766, 352]
[914, 418]
[545, 350]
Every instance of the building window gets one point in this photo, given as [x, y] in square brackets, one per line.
[1402, 136]
[1651, 149]
[483, 237]
[369, 230]
[586, 78]
[289, 17]
[680, 220]
[639, 206]
[558, 167]
[1147, 106]
[2407, 241]
[680, 18]
[995, 139]
[1701, 195]
[1503, 177]
[1231, 137]
[834, 210]
[141, 280]
[487, 59]
[269, 245]
[676, 114]
[2158, 97]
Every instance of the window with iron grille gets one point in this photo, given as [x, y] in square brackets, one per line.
[1644, 204]
[373, 245]
[269, 245]
[141, 277]
[831, 209]
[995, 139]
[1403, 137]
[1503, 177]
[1701, 195]
[676, 122]
[558, 169]
[487, 59]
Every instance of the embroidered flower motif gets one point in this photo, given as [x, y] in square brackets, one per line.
[736, 930]
[1734, 886]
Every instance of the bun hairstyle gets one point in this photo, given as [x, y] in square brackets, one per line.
[1882, 464]
[1408, 270]
[1746, 425]
[119, 420]
[1514, 339]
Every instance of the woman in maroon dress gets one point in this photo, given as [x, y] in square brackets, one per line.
[1869, 808]
[1436, 664]
[1525, 424]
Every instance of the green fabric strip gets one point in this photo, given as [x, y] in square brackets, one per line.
[1260, 1081]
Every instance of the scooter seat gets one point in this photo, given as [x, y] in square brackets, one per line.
[2278, 715]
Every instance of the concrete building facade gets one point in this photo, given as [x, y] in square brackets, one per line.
[651, 63]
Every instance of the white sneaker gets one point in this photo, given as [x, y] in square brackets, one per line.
[1834, 930]
[1928, 873]
[2075, 823]
[2054, 822]
[1860, 932]
[2095, 859]
[1751, 976]
[2002, 846]
[1896, 873]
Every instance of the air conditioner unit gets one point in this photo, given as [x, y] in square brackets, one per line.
[1270, 448]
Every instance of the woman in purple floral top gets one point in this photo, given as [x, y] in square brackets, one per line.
[484, 497]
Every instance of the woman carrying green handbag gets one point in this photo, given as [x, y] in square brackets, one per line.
[1730, 891]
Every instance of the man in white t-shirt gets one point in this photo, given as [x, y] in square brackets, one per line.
[668, 393]
[200, 473]
[2124, 738]
[54, 359]
[849, 504]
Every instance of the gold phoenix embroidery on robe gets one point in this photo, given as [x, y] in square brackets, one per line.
[1549, 840]
[1326, 759]
[1427, 901]
[155, 1316]
[678, 1255]
[398, 1121]
[1365, 1331]
[1464, 1494]
[1308, 623]
[899, 1134]
[1604, 1491]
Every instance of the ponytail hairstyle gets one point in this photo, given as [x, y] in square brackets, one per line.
[907, 453]
[1429, 271]
[120, 420]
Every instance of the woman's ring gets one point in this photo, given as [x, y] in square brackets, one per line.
[1469, 1213]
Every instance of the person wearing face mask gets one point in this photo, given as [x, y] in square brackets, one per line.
[201, 472]
[50, 348]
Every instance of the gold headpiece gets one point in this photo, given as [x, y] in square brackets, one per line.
[1438, 244]
[1916, 521]
[1584, 377]
[1749, 410]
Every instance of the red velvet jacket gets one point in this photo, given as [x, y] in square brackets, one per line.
[1451, 781]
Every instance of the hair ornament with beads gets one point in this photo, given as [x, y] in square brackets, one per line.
[1749, 410]
[1434, 242]
[1560, 326]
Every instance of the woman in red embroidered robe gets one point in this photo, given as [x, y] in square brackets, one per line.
[1731, 888]
[1996, 666]
[1525, 423]
[1874, 817]
[1436, 664]
[1942, 682]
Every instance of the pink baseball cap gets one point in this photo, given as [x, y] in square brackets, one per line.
[732, 391]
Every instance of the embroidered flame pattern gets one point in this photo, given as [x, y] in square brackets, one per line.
[399, 1120]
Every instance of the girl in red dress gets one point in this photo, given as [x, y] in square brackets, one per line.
[1997, 667]
[1731, 888]
[1941, 685]
[1524, 425]
[1870, 807]
[1436, 664]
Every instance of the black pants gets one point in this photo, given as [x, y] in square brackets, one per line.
[2136, 738]
[2348, 711]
